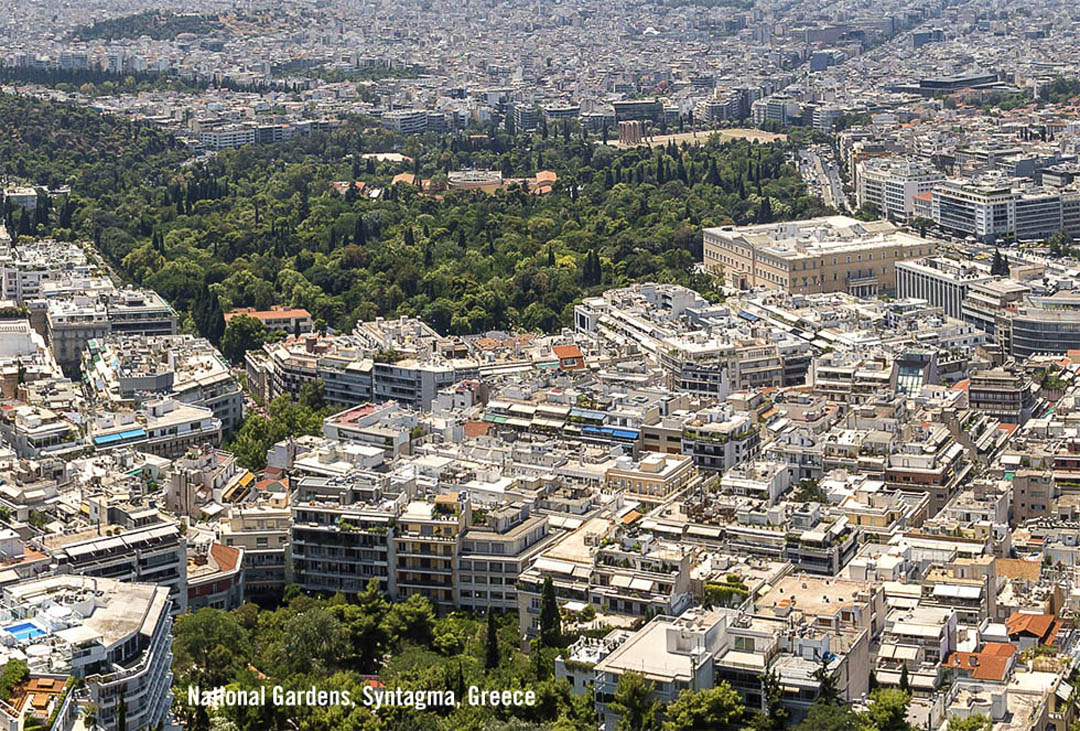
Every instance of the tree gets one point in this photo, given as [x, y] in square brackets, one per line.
[550, 621]
[210, 643]
[314, 640]
[538, 661]
[888, 710]
[978, 722]
[312, 394]
[831, 717]
[131, 184]
[243, 333]
[121, 713]
[714, 708]
[828, 693]
[491, 653]
[905, 682]
[809, 491]
[14, 673]
[634, 703]
[412, 620]
[1000, 265]
[775, 716]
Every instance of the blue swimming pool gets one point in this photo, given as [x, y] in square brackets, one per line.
[25, 631]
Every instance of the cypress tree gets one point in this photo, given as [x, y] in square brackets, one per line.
[491, 655]
[550, 622]
[359, 234]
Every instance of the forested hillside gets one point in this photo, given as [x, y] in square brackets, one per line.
[159, 25]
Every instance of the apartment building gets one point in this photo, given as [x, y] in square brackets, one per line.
[26, 268]
[1004, 394]
[928, 461]
[652, 478]
[991, 208]
[163, 427]
[828, 254]
[673, 653]
[988, 305]
[140, 312]
[586, 567]
[382, 426]
[406, 121]
[199, 477]
[494, 551]
[71, 324]
[919, 638]
[891, 184]
[215, 577]
[153, 552]
[262, 531]
[428, 538]
[125, 371]
[34, 432]
[778, 108]
[940, 281]
[343, 531]
[352, 375]
[715, 446]
[114, 635]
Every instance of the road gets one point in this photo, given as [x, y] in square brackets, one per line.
[822, 176]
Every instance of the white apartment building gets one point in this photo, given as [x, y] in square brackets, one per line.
[406, 121]
[892, 184]
[114, 634]
[940, 281]
[262, 531]
[163, 427]
[126, 371]
[995, 207]
[155, 553]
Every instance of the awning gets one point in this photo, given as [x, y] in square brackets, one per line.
[620, 581]
[642, 585]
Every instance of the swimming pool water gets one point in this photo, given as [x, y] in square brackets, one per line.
[25, 631]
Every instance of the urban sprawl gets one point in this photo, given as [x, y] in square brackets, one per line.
[859, 467]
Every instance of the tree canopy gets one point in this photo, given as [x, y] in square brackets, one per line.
[263, 225]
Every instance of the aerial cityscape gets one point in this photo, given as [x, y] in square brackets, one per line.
[651, 365]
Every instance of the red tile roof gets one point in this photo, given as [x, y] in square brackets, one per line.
[1035, 625]
[566, 351]
[224, 556]
[271, 314]
[990, 664]
[475, 429]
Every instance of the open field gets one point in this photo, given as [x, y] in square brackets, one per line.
[701, 136]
